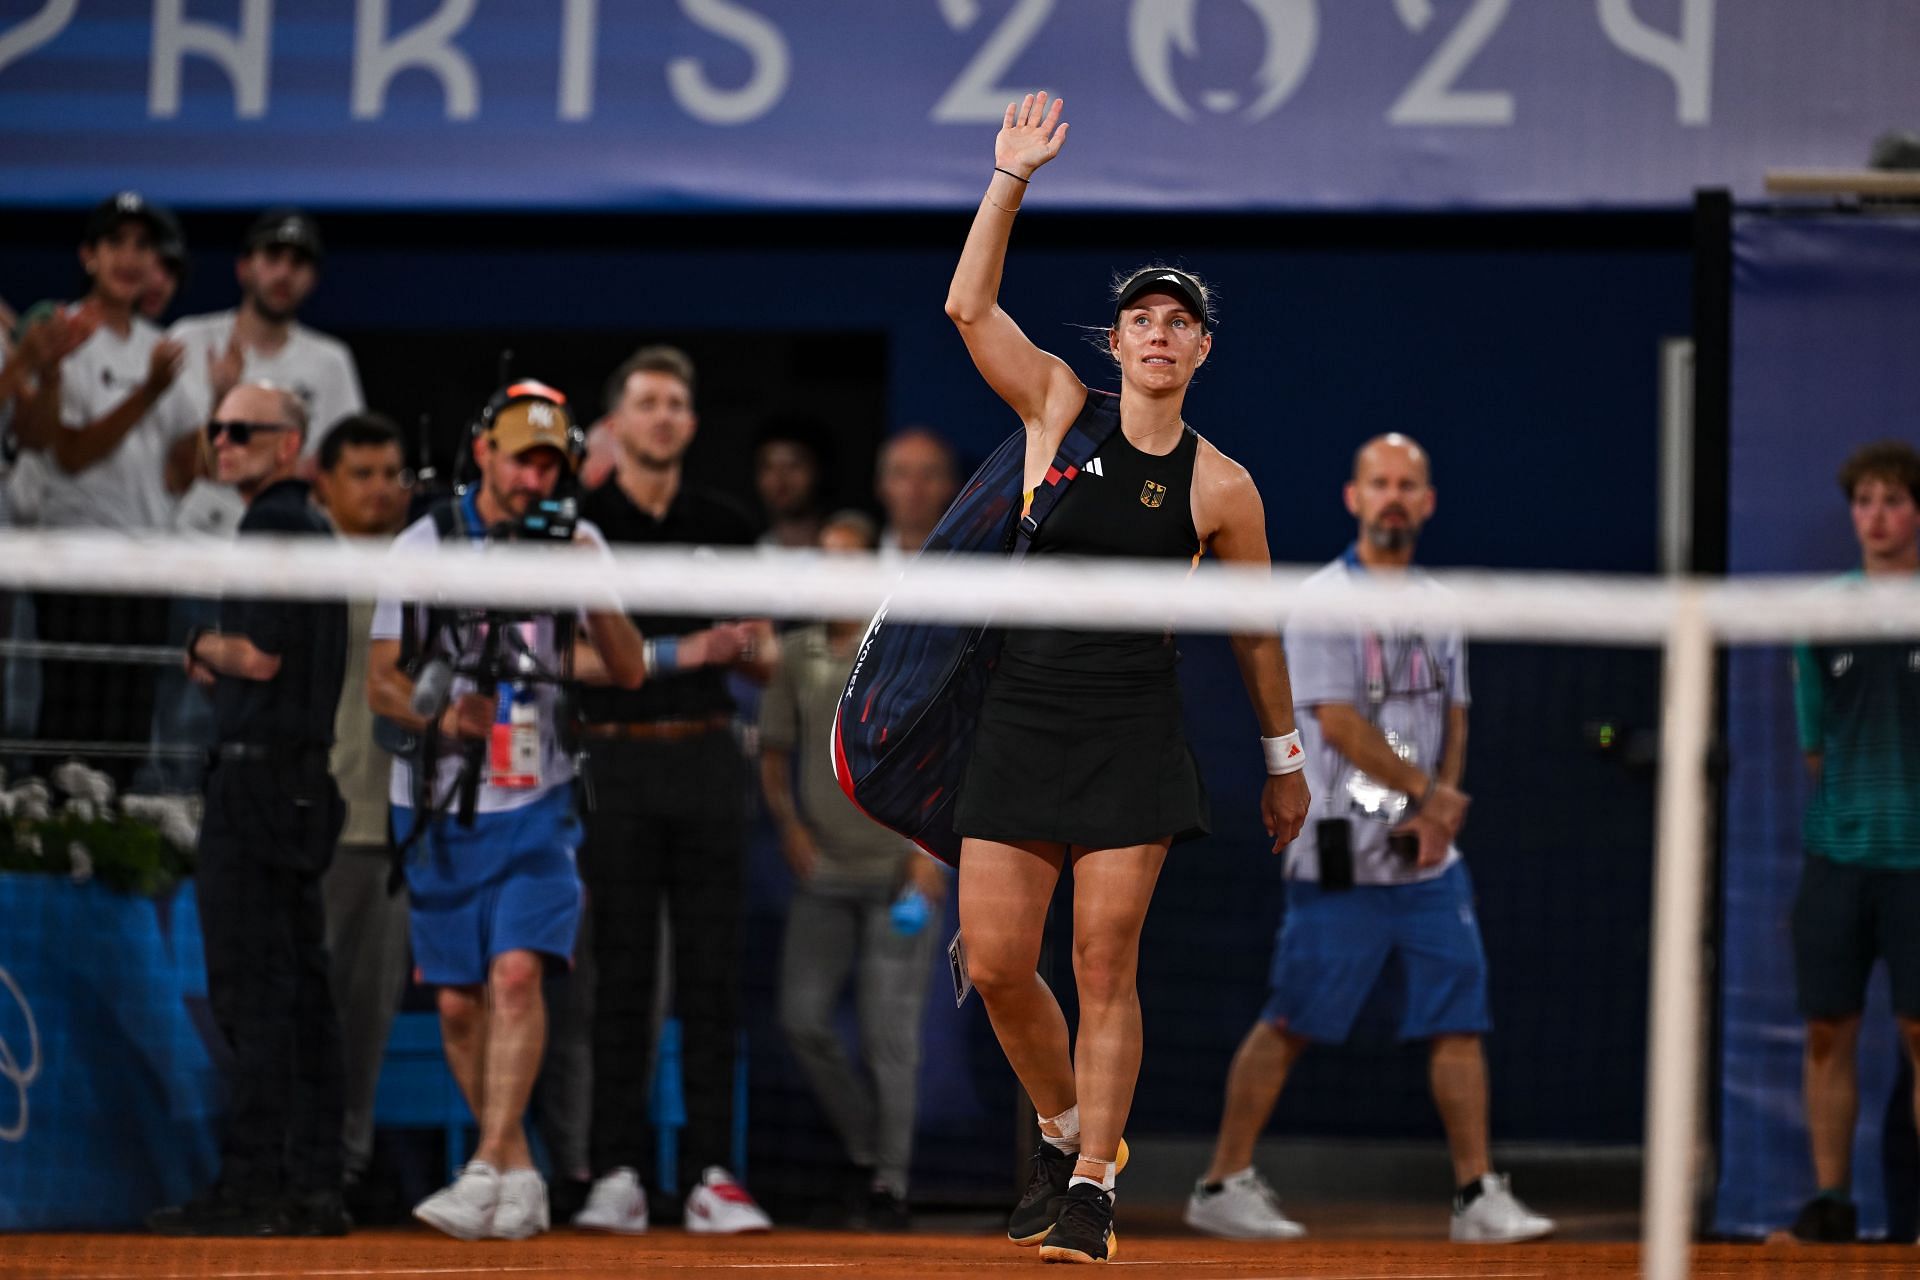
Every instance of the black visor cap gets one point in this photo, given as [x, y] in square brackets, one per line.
[1168, 280]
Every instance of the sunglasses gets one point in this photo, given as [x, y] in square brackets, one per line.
[240, 432]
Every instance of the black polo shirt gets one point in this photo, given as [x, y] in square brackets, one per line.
[296, 708]
[696, 518]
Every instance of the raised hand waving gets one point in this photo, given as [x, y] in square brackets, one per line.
[1032, 135]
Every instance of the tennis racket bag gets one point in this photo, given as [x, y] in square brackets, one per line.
[904, 727]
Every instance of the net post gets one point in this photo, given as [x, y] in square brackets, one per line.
[1679, 902]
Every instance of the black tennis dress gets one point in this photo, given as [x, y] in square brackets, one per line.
[1080, 737]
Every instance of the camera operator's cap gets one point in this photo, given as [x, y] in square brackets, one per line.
[534, 416]
[1164, 280]
[289, 228]
[127, 206]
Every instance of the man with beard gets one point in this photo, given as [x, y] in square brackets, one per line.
[669, 786]
[495, 894]
[262, 339]
[1374, 876]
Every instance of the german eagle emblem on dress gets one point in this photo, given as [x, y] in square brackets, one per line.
[1152, 494]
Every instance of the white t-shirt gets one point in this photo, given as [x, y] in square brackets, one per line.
[1404, 682]
[315, 367]
[556, 766]
[126, 489]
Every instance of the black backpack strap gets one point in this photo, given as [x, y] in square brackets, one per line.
[1098, 419]
[425, 763]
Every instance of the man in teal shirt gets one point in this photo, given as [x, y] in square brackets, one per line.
[1859, 898]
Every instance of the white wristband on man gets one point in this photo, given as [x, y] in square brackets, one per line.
[1284, 753]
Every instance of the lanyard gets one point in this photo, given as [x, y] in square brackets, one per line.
[1416, 661]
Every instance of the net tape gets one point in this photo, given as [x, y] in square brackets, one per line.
[1113, 594]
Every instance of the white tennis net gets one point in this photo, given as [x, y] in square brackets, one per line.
[1685, 619]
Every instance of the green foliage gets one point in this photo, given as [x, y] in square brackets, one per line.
[121, 852]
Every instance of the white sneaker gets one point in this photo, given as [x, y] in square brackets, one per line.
[617, 1203]
[1244, 1208]
[522, 1210]
[720, 1206]
[1496, 1216]
[464, 1209]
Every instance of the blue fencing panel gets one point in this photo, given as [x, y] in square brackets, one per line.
[1826, 320]
[108, 1095]
[1227, 104]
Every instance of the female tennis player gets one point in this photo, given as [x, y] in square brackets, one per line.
[1080, 752]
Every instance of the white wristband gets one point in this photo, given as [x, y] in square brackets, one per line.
[1284, 753]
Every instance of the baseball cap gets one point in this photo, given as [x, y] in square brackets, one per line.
[288, 227]
[534, 415]
[123, 207]
[1164, 280]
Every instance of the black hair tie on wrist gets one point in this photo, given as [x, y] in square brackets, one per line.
[1011, 174]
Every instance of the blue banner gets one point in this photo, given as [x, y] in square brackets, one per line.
[1826, 317]
[1215, 104]
[108, 1094]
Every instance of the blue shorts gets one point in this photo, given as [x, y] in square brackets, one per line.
[1334, 947]
[507, 883]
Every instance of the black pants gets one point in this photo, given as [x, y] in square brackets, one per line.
[667, 826]
[267, 979]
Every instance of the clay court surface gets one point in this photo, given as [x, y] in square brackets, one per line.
[822, 1254]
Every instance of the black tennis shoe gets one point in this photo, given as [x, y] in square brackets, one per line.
[318, 1213]
[1039, 1205]
[220, 1212]
[1084, 1232]
[1827, 1220]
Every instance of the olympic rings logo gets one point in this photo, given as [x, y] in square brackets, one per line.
[10, 1069]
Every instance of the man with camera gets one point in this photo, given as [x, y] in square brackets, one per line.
[275, 668]
[482, 798]
[1374, 875]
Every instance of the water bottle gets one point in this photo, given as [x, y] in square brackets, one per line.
[910, 912]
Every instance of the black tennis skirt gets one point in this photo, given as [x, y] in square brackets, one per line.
[1093, 759]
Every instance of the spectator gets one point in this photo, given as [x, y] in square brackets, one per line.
[272, 816]
[497, 901]
[170, 268]
[669, 826]
[108, 412]
[861, 903]
[105, 418]
[361, 486]
[1859, 899]
[917, 479]
[260, 340]
[789, 471]
[1373, 874]
[23, 366]
[278, 268]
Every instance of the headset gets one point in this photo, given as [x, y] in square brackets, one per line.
[520, 391]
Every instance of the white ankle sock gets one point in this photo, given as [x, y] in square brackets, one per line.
[1065, 1135]
[1105, 1182]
